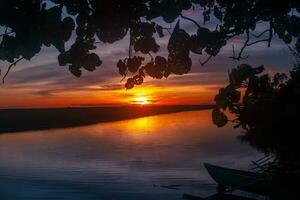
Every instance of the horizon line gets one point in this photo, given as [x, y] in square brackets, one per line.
[100, 106]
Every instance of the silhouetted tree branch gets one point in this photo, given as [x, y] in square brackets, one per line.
[206, 61]
[239, 57]
[189, 19]
[92, 22]
[9, 68]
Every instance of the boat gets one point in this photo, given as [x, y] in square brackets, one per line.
[239, 180]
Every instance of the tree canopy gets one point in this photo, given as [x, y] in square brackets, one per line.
[266, 107]
[28, 25]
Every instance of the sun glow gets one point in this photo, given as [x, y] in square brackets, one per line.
[141, 100]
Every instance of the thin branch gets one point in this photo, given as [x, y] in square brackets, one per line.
[269, 39]
[207, 59]
[270, 34]
[187, 18]
[245, 44]
[124, 75]
[150, 56]
[167, 29]
[239, 57]
[294, 52]
[257, 41]
[9, 68]
[233, 52]
[259, 35]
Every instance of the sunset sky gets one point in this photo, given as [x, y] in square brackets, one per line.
[41, 82]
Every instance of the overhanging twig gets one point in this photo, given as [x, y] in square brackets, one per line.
[239, 57]
[187, 18]
[207, 59]
[257, 41]
[259, 35]
[9, 68]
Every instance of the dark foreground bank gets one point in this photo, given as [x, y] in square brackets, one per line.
[15, 120]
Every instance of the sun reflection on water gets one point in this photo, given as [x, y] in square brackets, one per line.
[121, 154]
[139, 128]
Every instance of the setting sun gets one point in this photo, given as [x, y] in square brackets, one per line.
[141, 100]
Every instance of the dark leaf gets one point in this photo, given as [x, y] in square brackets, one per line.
[75, 71]
[219, 118]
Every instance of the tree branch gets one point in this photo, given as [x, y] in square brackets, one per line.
[205, 61]
[167, 29]
[257, 41]
[150, 56]
[270, 34]
[247, 44]
[187, 18]
[259, 35]
[239, 57]
[9, 68]
[294, 52]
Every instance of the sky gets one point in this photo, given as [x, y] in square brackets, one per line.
[41, 82]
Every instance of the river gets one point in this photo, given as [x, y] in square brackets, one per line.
[130, 159]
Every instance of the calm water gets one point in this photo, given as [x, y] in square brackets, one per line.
[119, 160]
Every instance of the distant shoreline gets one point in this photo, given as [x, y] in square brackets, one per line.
[18, 120]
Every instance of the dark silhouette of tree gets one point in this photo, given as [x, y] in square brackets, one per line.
[30, 24]
[266, 108]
